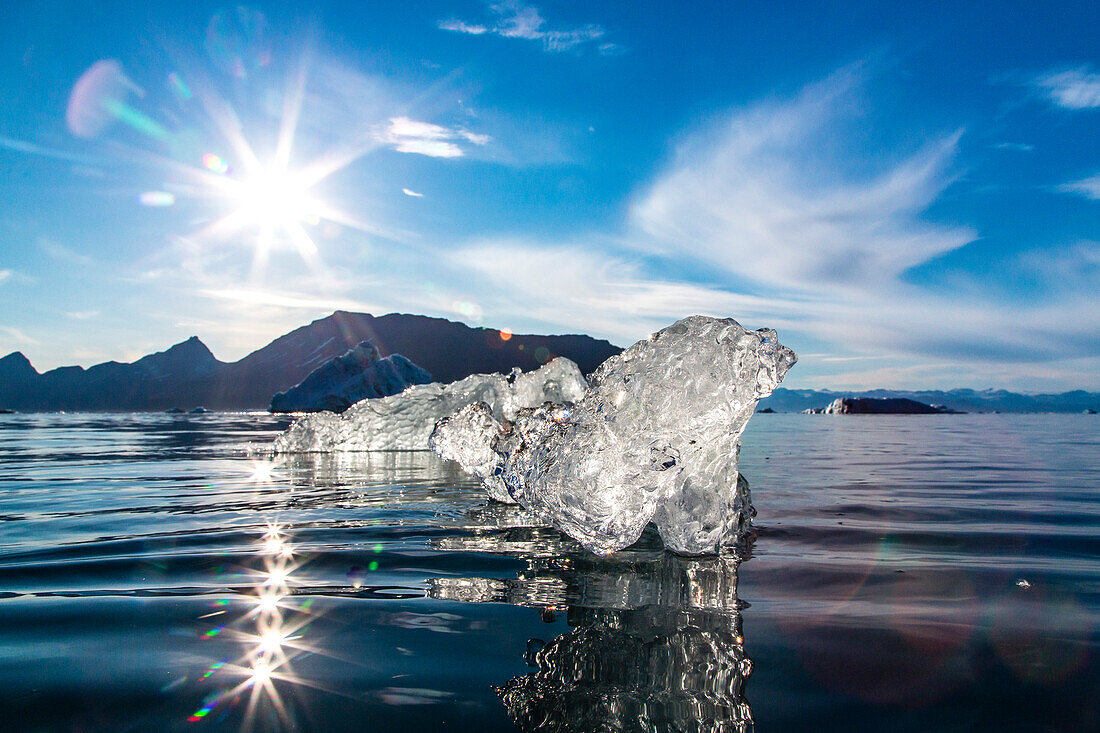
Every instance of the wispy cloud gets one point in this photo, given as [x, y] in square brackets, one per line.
[5, 275]
[82, 315]
[583, 288]
[459, 26]
[15, 335]
[514, 19]
[424, 138]
[410, 192]
[63, 254]
[757, 197]
[284, 299]
[1072, 89]
[795, 236]
[1087, 187]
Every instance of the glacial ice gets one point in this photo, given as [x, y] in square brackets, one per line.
[355, 375]
[405, 421]
[467, 438]
[655, 438]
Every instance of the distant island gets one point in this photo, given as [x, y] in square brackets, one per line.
[879, 406]
[942, 401]
[188, 375]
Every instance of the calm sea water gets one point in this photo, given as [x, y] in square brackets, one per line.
[907, 573]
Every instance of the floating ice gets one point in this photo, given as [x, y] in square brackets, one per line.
[655, 438]
[404, 421]
[467, 438]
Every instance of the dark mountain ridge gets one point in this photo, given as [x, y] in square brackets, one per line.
[187, 374]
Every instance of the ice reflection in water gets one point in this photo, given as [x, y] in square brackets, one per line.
[656, 642]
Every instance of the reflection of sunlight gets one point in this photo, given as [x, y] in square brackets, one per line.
[261, 471]
[277, 576]
[261, 673]
[269, 647]
[268, 602]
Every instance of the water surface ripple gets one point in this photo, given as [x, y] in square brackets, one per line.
[907, 573]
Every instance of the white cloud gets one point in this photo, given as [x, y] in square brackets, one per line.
[458, 26]
[579, 287]
[792, 234]
[63, 254]
[285, 299]
[424, 138]
[1072, 89]
[14, 334]
[82, 315]
[5, 275]
[514, 19]
[1087, 187]
[410, 192]
[474, 137]
[755, 197]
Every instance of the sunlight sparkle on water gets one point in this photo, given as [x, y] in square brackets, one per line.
[261, 471]
[277, 577]
[261, 672]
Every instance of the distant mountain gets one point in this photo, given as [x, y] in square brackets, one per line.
[187, 374]
[959, 400]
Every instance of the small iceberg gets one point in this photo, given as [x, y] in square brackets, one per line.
[358, 374]
[656, 437]
[405, 421]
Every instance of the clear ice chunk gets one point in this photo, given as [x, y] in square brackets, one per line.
[467, 438]
[655, 438]
[405, 421]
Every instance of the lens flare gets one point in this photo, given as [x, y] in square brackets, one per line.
[157, 198]
[263, 669]
[103, 85]
[277, 576]
[214, 164]
[177, 85]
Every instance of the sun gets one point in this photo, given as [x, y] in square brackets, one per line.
[271, 205]
[276, 198]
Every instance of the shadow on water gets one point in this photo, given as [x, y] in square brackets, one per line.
[655, 643]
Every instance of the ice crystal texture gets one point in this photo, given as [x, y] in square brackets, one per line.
[467, 438]
[404, 421]
[655, 438]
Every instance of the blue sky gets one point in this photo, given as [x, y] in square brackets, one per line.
[909, 195]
